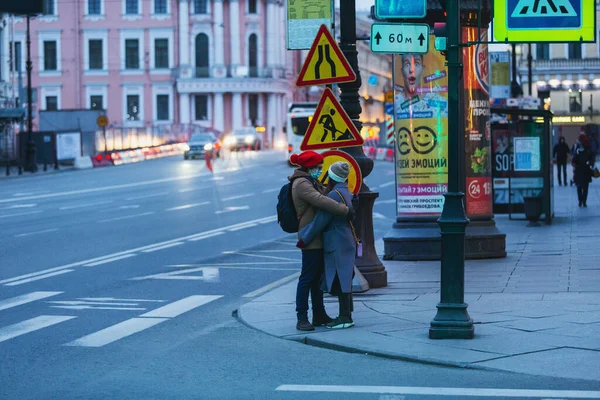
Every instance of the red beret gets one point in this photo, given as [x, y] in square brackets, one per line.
[306, 159]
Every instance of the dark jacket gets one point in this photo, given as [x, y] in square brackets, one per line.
[583, 163]
[561, 152]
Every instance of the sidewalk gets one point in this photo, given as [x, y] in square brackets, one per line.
[535, 312]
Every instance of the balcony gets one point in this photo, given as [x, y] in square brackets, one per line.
[562, 66]
[240, 71]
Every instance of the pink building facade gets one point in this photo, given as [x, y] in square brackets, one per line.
[215, 63]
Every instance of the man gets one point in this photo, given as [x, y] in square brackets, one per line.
[412, 69]
[561, 155]
[309, 196]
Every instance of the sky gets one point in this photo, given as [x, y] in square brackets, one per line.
[363, 4]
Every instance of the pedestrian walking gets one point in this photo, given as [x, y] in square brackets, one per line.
[340, 244]
[583, 165]
[309, 196]
[561, 156]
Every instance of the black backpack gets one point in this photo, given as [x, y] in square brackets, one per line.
[287, 217]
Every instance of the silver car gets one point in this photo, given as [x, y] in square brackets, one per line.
[199, 144]
[243, 137]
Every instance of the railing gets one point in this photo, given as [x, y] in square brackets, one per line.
[240, 71]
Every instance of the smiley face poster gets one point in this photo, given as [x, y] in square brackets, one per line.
[421, 128]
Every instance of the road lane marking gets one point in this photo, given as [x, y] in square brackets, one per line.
[38, 277]
[116, 332]
[165, 246]
[109, 260]
[90, 303]
[188, 190]
[179, 307]
[240, 227]
[377, 215]
[84, 307]
[272, 285]
[387, 184]
[146, 196]
[18, 206]
[20, 214]
[127, 217]
[36, 232]
[270, 257]
[206, 236]
[31, 325]
[25, 298]
[186, 206]
[232, 264]
[209, 274]
[240, 196]
[113, 299]
[232, 209]
[96, 203]
[271, 190]
[443, 391]
[220, 266]
[386, 201]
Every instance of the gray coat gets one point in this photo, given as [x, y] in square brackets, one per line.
[338, 241]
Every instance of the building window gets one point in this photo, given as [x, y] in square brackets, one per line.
[200, 6]
[49, 7]
[542, 51]
[253, 109]
[132, 56]
[50, 56]
[252, 7]
[574, 51]
[575, 100]
[94, 7]
[95, 54]
[201, 107]
[160, 6]
[162, 107]
[131, 7]
[253, 55]
[161, 53]
[133, 107]
[17, 56]
[51, 103]
[96, 102]
[202, 56]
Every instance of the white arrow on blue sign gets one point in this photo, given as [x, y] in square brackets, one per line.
[400, 38]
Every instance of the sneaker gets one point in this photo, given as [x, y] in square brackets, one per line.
[320, 320]
[304, 325]
[341, 323]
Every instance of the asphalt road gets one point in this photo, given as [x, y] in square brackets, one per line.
[122, 283]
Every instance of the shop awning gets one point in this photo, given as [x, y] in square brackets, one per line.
[12, 113]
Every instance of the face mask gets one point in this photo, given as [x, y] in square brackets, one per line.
[315, 172]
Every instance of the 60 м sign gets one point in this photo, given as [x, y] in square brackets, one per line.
[400, 38]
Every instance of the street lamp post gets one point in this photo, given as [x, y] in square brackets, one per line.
[369, 264]
[452, 320]
[30, 162]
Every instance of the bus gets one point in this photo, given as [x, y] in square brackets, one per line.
[298, 118]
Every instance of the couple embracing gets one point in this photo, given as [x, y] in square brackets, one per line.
[327, 239]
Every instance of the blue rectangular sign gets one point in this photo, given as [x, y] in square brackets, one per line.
[385, 9]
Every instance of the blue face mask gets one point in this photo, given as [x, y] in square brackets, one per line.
[315, 172]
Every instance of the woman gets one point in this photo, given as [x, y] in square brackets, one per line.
[339, 244]
[583, 165]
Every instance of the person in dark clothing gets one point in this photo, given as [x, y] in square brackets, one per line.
[561, 155]
[583, 164]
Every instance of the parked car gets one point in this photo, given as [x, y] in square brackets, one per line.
[243, 137]
[201, 142]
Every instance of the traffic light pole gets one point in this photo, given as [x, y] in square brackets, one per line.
[452, 320]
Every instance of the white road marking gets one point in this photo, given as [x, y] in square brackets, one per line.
[116, 332]
[392, 201]
[241, 196]
[232, 209]
[18, 206]
[25, 298]
[230, 264]
[179, 307]
[377, 215]
[133, 206]
[127, 217]
[113, 299]
[146, 196]
[216, 178]
[31, 325]
[89, 303]
[188, 190]
[443, 391]
[186, 206]
[206, 236]
[272, 285]
[269, 251]
[239, 228]
[39, 277]
[209, 274]
[96, 203]
[287, 243]
[83, 307]
[271, 257]
[241, 267]
[390, 183]
[109, 260]
[271, 190]
[36, 232]
[164, 246]
[20, 214]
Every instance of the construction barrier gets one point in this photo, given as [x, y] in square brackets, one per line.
[137, 155]
[379, 154]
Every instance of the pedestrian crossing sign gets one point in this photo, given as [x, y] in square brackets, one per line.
[325, 63]
[527, 21]
[330, 126]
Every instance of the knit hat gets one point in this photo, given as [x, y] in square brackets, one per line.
[584, 140]
[307, 159]
[339, 171]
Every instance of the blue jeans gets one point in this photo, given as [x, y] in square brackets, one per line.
[313, 265]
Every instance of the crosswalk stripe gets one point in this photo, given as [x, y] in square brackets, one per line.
[116, 332]
[181, 306]
[39, 277]
[25, 298]
[31, 325]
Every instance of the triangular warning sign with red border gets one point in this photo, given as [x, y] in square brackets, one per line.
[330, 126]
[325, 63]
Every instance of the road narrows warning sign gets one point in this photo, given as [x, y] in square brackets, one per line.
[330, 127]
[325, 63]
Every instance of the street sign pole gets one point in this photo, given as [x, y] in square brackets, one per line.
[452, 320]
